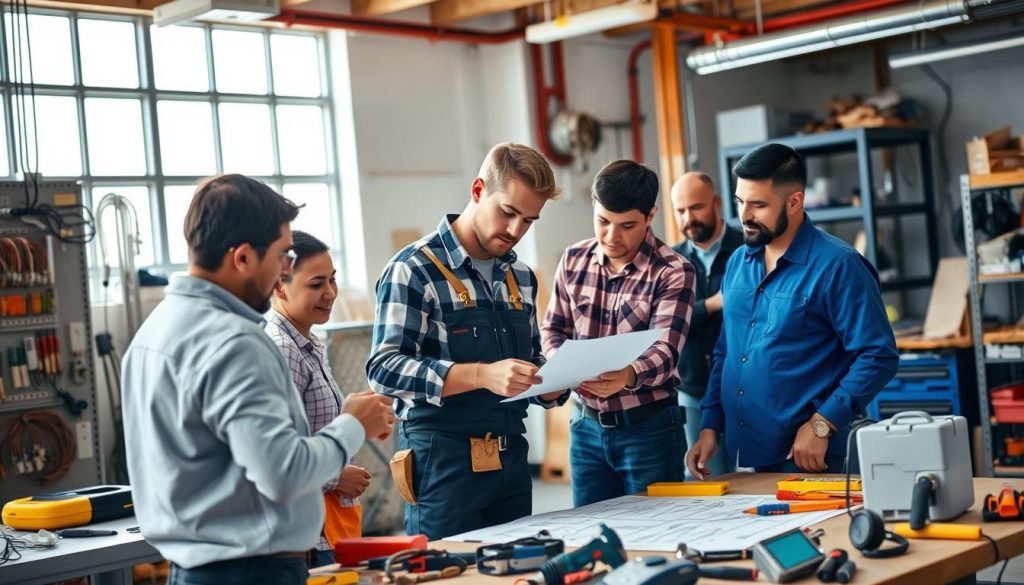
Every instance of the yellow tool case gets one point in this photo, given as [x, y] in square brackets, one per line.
[71, 508]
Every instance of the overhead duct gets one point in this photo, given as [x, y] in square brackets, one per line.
[830, 34]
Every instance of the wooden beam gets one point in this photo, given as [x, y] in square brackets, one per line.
[448, 11]
[701, 23]
[744, 9]
[669, 108]
[115, 6]
[378, 7]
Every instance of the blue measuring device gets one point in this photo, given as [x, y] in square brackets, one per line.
[518, 556]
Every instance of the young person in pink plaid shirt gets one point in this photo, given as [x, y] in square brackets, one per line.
[627, 430]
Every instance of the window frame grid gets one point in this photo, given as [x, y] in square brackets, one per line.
[148, 95]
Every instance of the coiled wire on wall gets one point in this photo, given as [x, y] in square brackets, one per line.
[38, 445]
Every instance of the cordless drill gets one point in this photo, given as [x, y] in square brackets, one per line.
[606, 548]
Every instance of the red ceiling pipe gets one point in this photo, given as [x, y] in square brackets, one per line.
[544, 95]
[292, 16]
[819, 14]
[634, 99]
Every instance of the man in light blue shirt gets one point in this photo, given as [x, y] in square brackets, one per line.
[225, 475]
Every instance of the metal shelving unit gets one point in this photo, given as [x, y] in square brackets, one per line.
[967, 187]
[861, 141]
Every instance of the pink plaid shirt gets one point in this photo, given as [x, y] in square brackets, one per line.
[655, 290]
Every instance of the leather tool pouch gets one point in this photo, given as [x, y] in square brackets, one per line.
[486, 453]
[401, 471]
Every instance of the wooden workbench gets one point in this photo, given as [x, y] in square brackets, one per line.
[927, 561]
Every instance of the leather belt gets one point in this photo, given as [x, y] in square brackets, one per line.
[625, 418]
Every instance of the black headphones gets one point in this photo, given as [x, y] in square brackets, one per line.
[867, 533]
[867, 529]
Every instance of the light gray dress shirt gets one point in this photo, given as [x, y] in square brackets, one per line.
[220, 457]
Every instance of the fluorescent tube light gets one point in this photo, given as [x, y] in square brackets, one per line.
[1010, 41]
[591, 21]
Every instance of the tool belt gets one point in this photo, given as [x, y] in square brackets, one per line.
[485, 455]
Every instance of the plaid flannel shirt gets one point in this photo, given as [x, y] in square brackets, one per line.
[410, 358]
[321, 396]
[589, 301]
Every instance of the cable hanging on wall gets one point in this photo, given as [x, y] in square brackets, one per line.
[126, 237]
[71, 223]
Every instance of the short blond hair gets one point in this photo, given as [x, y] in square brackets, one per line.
[507, 161]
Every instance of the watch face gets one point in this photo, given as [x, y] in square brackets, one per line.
[821, 429]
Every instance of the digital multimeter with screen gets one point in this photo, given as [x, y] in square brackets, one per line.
[787, 557]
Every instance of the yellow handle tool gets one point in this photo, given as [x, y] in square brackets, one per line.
[940, 531]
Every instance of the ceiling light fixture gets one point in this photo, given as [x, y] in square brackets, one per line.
[241, 10]
[956, 51]
[568, 26]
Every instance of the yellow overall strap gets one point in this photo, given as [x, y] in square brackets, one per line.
[460, 289]
[513, 289]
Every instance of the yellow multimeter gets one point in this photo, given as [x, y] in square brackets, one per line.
[70, 508]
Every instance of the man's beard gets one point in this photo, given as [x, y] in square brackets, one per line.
[702, 232]
[256, 299]
[765, 236]
[486, 244]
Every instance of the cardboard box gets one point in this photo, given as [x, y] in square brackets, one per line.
[996, 152]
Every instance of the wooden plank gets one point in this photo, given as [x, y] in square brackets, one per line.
[449, 11]
[1007, 179]
[115, 6]
[745, 9]
[688, 22]
[378, 7]
[668, 105]
[928, 561]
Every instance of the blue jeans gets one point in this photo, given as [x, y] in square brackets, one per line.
[607, 463]
[248, 571]
[719, 463]
[451, 498]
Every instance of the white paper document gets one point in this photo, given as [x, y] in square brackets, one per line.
[658, 524]
[585, 359]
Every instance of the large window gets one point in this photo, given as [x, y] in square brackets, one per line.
[146, 112]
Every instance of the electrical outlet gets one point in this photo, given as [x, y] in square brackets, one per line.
[83, 431]
[76, 331]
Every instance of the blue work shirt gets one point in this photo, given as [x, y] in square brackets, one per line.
[220, 457]
[811, 336]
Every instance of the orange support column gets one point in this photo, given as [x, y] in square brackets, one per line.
[668, 104]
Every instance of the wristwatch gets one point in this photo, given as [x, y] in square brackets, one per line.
[821, 428]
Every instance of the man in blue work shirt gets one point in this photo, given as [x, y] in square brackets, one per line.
[805, 344]
[709, 244]
[225, 475]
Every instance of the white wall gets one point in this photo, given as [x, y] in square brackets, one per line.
[422, 117]
[425, 114]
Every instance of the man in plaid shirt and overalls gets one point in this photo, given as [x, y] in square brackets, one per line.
[456, 333]
[627, 431]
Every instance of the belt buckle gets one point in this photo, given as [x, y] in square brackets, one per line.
[503, 443]
[615, 422]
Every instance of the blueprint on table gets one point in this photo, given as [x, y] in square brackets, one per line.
[658, 524]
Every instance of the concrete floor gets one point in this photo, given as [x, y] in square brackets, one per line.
[550, 496]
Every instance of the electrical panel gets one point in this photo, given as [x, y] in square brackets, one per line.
[47, 372]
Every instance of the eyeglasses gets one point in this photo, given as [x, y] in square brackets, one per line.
[289, 259]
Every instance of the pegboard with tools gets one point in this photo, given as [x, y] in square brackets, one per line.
[48, 420]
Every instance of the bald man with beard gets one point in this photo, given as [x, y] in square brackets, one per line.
[709, 243]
